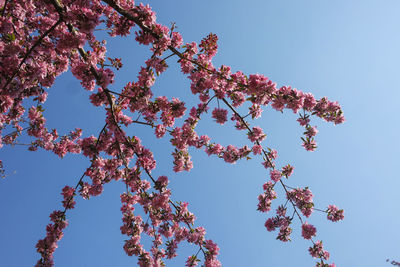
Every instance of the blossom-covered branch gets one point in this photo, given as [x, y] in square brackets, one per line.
[43, 39]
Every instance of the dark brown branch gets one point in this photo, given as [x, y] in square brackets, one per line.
[4, 8]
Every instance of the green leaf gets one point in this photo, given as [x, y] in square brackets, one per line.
[11, 37]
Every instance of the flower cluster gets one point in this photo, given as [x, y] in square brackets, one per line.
[302, 197]
[281, 221]
[68, 194]
[308, 230]
[275, 175]
[256, 135]
[334, 213]
[219, 114]
[265, 199]
[54, 232]
[317, 251]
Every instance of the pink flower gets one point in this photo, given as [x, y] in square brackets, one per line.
[160, 130]
[196, 236]
[255, 111]
[177, 108]
[256, 135]
[265, 199]
[317, 251]
[162, 182]
[270, 224]
[157, 64]
[303, 121]
[287, 170]
[177, 40]
[334, 213]
[106, 77]
[309, 101]
[308, 231]
[309, 144]
[303, 200]
[214, 149]
[211, 262]
[212, 248]
[68, 194]
[220, 115]
[264, 203]
[311, 131]
[209, 45]
[231, 154]
[284, 234]
[257, 149]
[275, 175]
[171, 249]
[281, 211]
[273, 154]
[191, 261]
[268, 186]
[268, 164]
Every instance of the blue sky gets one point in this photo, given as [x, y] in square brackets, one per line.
[345, 50]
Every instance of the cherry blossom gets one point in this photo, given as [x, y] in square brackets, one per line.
[41, 40]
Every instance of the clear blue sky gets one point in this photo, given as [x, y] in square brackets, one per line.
[346, 50]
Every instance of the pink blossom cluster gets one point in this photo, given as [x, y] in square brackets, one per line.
[219, 114]
[68, 194]
[309, 143]
[256, 135]
[257, 149]
[302, 197]
[167, 220]
[275, 175]
[317, 251]
[229, 154]
[287, 170]
[281, 221]
[209, 45]
[334, 213]
[271, 155]
[308, 230]
[308, 140]
[54, 232]
[265, 199]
